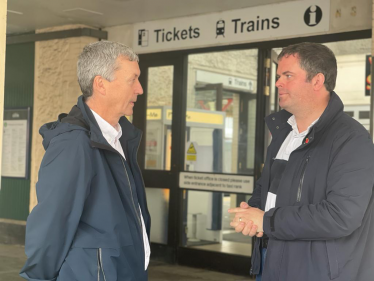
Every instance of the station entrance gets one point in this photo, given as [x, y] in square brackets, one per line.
[203, 115]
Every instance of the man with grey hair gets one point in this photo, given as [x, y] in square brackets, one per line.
[312, 209]
[92, 220]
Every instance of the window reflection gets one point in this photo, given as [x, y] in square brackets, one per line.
[159, 118]
[222, 84]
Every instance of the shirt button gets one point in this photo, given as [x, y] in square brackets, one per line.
[277, 127]
[273, 118]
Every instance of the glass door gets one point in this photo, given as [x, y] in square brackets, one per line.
[220, 125]
[156, 115]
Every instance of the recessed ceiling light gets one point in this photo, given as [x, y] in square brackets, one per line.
[15, 12]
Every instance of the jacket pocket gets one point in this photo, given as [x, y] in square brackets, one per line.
[332, 259]
[80, 264]
[301, 183]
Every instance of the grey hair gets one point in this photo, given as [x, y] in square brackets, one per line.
[100, 59]
[314, 58]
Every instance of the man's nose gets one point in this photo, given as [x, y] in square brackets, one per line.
[139, 89]
[278, 83]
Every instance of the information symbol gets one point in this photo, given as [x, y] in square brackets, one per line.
[313, 15]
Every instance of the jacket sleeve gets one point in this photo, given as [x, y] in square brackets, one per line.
[349, 183]
[63, 185]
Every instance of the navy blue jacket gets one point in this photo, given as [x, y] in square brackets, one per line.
[322, 226]
[87, 225]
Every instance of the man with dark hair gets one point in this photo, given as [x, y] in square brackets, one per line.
[92, 220]
[312, 208]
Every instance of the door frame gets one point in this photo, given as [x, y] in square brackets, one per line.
[162, 178]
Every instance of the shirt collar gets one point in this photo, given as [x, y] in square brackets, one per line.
[293, 123]
[109, 132]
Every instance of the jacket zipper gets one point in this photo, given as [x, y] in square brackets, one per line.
[132, 198]
[300, 189]
[145, 194]
[133, 203]
[100, 265]
[128, 180]
[123, 164]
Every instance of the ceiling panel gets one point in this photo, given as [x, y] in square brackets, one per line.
[29, 15]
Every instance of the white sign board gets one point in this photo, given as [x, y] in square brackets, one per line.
[216, 182]
[227, 80]
[14, 148]
[283, 20]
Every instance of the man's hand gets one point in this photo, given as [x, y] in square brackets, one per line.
[248, 220]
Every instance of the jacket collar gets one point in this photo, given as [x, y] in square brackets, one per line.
[278, 121]
[333, 109]
[82, 115]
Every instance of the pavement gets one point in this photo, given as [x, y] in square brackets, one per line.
[12, 258]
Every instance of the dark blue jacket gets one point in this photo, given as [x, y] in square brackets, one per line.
[87, 225]
[322, 226]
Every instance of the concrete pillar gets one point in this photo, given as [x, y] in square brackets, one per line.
[56, 88]
[3, 12]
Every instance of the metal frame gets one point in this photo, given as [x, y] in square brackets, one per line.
[162, 178]
[172, 252]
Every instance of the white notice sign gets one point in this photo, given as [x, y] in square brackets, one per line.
[14, 148]
[228, 81]
[283, 20]
[216, 182]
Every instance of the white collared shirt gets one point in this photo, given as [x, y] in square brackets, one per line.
[112, 136]
[292, 141]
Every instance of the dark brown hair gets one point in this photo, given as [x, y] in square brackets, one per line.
[314, 58]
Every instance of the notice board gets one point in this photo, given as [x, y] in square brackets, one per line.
[16, 143]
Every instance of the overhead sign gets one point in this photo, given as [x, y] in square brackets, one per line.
[281, 20]
[216, 182]
[227, 80]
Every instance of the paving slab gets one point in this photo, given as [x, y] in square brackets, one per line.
[12, 258]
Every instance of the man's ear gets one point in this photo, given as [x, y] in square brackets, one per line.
[99, 86]
[318, 82]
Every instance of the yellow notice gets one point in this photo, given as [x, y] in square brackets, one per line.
[191, 157]
[154, 114]
[191, 150]
[200, 117]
